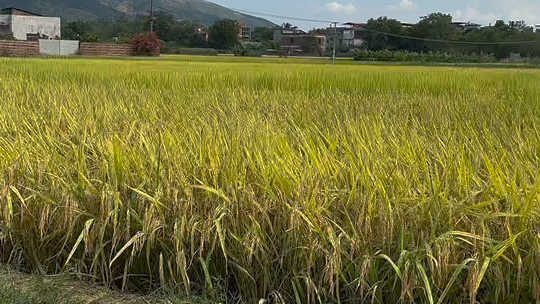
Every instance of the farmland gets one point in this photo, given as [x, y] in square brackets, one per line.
[309, 183]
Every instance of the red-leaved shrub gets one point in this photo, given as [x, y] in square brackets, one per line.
[146, 44]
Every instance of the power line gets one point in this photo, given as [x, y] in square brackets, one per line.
[390, 34]
[139, 5]
[151, 16]
[145, 2]
[452, 41]
[279, 16]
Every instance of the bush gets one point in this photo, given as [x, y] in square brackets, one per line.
[196, 51]
[91, 38]
[9, 36]
[246, 51]
[173, 48]
[124, 38]
[406, 56]
[146, 44]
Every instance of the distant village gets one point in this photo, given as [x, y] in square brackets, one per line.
[347, 36]
[289, 40]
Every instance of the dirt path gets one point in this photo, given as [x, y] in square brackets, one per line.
[21, 288]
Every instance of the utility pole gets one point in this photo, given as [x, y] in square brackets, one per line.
[335, 38]
[151, 16]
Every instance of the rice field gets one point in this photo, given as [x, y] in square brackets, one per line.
[302, 183]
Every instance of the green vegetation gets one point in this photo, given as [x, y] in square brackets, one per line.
[405, 56]
[67, 10]
[177, 35]
[498, 40]
[9, 37]
[309, 183]
[433, 38]
[205, 12]
[223, 34]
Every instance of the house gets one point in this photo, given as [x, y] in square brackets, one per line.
[296, 42]
[359, 35]
[349, 36]
[244, 31]
[537, 28]
[26, 25]
[466, 26]
[407, 24]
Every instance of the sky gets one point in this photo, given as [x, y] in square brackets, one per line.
[477, 11]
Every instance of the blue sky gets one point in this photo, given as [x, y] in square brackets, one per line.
[479, 11]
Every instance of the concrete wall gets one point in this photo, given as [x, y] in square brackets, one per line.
[59, 47]
[19, 48]
[22, 25]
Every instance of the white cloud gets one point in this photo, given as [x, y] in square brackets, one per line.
[404, 5]
[335, 7]
[501, 9]
[520, 9]
[528, 13]
[474, 15]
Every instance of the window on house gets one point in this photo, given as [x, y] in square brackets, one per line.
[32, 37]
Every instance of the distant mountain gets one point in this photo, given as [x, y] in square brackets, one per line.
[202, 11]
[67, 10]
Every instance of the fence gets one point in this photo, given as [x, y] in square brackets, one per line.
[64, 47]
[106, 49]
[19, 48]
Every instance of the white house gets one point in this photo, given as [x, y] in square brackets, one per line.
[25, 25]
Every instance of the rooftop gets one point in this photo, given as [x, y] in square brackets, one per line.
[466, 23]
[355, 24]
[10, 10]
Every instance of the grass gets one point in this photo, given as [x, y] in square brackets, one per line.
[298, 182]
[20, 288]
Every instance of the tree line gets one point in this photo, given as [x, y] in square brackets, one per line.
[436, 32]
[223, 34]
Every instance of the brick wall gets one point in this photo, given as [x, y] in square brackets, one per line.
[105, 49]
[96, 49]
[19, 48]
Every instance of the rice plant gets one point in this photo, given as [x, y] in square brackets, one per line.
[296, 182]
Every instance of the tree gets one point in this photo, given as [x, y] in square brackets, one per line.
[223, 34]
[318, 31]
[105, 29]
[75, 30]
[377, 41]
[437, 26]
[262, 34]
[517, 26]
[184, 33]
[287, 25]
[501, 26]
[146, 44]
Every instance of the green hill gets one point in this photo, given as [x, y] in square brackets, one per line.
[67, 10]
[196, 10]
